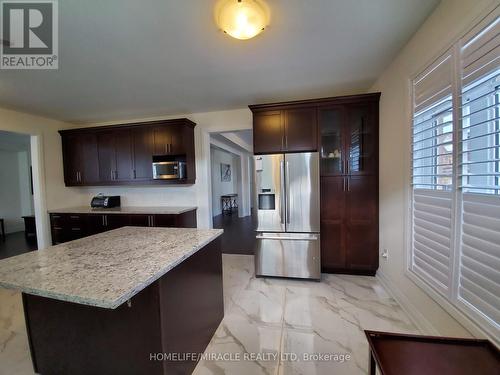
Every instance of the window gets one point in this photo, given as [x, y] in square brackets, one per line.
[455, 243]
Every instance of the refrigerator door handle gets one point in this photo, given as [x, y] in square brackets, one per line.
[288, 238]
[282, 192]
[287, 179]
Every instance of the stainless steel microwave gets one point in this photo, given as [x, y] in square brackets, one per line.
[169, 170]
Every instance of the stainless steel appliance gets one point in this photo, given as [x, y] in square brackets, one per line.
[169, 170]
[103, 201]
[288, 239]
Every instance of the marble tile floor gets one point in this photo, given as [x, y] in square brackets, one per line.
[269, 325]
[272, 324]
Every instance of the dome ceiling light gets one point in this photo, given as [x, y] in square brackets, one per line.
[242, 19]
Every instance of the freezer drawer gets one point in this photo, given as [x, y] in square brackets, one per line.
[294, 255]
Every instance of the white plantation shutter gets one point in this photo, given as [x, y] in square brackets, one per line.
[479, 266]
[455, 242]
[432, 237]
[432, 174]
[479, 283]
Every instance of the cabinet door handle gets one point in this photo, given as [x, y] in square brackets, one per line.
[152, 221]
[112, 174]
[348, 187]
[134, 174]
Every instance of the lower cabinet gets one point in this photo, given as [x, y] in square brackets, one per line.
[68, 227]
[349, 224]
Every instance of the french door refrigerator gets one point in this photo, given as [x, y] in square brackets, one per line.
[288, 222]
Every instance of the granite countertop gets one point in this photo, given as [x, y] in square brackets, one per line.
[124, 210]
[104, 270]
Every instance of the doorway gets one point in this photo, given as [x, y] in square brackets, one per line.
[17, 208]
[232, 190]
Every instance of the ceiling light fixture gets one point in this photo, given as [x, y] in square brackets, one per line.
[242, 19]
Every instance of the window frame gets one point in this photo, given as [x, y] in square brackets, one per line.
[449, 301]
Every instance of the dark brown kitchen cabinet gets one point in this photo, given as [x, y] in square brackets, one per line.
[284, 130]
[349, 139]
[362, 139]
[168, 140]
[301, 130]
[81, 165]
[67, 227]
[344, 130]
[71, 226]
[333, 225]
[143, 150]
[349, 224]
[123, 154]
[114, 151]
[268, 132]
[332, 141]
[348, 133]
[139, 220]
[162, 140]
[106, 155]
[362, 223]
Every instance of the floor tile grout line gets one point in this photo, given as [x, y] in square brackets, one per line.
[280, 348]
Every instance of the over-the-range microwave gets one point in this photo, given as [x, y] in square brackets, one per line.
[169, 170]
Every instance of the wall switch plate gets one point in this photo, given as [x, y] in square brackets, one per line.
[385, 254]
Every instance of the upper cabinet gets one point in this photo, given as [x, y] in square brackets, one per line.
[123, 154]
[80, 159]
[362, 139]
[349, 138]
[278, 129]
[301, 130]
[142, 149]
[268, 132]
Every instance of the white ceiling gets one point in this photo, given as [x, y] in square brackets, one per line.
[126, 58]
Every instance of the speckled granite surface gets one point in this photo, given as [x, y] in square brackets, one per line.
[104, 270]
[124, 210]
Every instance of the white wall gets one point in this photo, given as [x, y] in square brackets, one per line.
[24, 163]
[16, 199]
[10, 191]
[448, 22]
[50, 191]
[219, 187]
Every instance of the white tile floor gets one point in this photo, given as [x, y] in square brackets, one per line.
[267, 318]
[286, 318]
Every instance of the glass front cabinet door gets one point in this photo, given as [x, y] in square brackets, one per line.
[332, 146]
[361, 142]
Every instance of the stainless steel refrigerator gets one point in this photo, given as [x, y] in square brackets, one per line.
[288, 239]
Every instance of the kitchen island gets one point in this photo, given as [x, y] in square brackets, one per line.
[133, 300]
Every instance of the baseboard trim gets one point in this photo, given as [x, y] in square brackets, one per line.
[420, 321]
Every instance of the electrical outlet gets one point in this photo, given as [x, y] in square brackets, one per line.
[385, 254]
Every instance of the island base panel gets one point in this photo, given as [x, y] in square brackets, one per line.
[177, 314]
